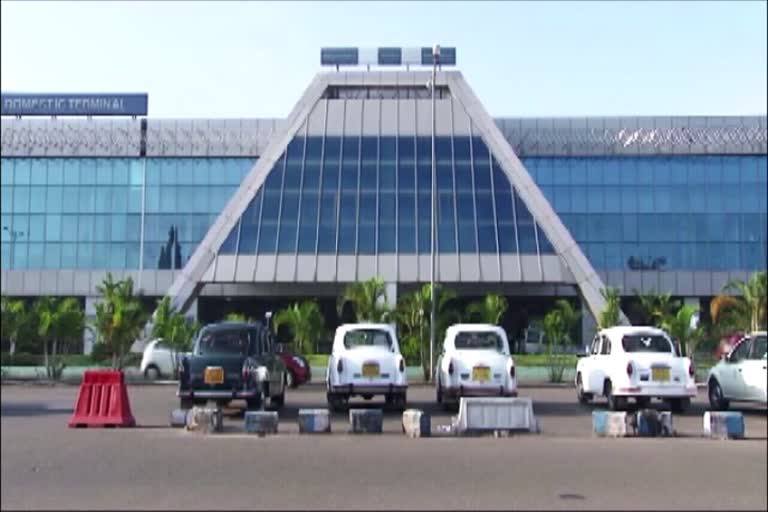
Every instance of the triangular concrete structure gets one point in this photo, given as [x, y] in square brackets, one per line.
[316, 112]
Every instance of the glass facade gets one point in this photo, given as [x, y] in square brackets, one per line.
[371, 195]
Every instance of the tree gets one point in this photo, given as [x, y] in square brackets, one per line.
[413, 314]
[748, 311]
[489, 310]
[176, 331]
[558, 326]
[59, 321]
[305, 321]
[680, 327]
[368, 299]
[16, 320]
[237, 317]
[120, 317]
[611, 315]
[656, 306]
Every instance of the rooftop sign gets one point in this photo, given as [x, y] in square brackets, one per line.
[45, 104]
[385, 56]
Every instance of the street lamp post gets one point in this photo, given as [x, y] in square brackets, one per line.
[14, 235]
[433, 237]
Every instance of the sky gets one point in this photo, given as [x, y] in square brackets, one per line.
[255, 59]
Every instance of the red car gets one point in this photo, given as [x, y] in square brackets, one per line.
[298, 368]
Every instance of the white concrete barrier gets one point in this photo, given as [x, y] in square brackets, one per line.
[416, 423]
[366, 421]
[179, 418]
[652, 423]
[489, 414]
[314, 421]
[205, 420]
[261, 422]
[609, 423]
[724, 424]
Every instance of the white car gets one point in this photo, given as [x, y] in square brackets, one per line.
[475, 361]
[741, 375]
[635, 362]
[157, 360]
[366, 361]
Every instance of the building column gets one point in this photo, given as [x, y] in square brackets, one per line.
[191, 313]
[391, 296]
[588, 327]
[693, 301]
[89, 337]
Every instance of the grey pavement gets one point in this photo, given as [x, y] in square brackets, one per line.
[46, 465]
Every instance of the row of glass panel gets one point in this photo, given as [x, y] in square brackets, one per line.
[606, 256]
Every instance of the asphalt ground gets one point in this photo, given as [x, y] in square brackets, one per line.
[46, 465]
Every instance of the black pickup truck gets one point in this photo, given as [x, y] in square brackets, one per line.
[232, 361]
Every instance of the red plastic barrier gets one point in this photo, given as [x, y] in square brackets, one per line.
[102, 401]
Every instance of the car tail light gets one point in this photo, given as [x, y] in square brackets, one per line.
[692, 369]
[340, 366]
[450, 368]
[246, 372]
[512, 371]
[629, 369]
[402, 365]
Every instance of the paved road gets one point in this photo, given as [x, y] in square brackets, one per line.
[46, 465]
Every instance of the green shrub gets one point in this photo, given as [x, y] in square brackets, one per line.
[101, 353]
[21, 359]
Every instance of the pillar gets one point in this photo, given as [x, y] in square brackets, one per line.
[89, 337]
[391, 296]
[588, 328]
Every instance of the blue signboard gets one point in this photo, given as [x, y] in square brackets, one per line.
[447, 56]
[338, 56]
[74, 104]
[390, 56]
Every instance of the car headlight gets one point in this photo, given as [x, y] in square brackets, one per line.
[299, 362]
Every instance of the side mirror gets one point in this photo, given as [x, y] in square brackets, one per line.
[582, 354]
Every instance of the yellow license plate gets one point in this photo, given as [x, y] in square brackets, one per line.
[370, 370]
[660, 374]
[481, 373]
[214, 375]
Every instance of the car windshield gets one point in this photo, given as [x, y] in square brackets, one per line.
[224, 342]
[367, 338]
[469, 340]
[761, 345]
[646, 343]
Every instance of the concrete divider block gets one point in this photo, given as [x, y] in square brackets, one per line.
[261, 422]
[366, 421]
[609, 423]
[490, 414]
[416, 423]
[724, 424]
[652, 423]
[179, 418]
[314, 421]
[205, 420]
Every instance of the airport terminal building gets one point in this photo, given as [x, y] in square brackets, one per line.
[254, 213]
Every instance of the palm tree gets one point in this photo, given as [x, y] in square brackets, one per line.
[656, 306]
[176, 331]
[611, 315]
[558, 326]
[237, 317]
[59, 320]
[745, 312]
[414, 311]
[489, 310]
[15, 320]
[368, 299]
[680, 327]
[120, 317]
[305, 322]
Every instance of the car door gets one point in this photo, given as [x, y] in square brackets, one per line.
[274, 364]
[594, 376]
[164, 358]
[753, 370]
[733, 374]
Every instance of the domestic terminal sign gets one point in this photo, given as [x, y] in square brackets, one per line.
[386, 56]
[21, 104]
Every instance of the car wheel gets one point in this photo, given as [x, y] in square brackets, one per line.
[615, 403]
[278, 401]
[186, 404]
[717, 401]
[679, 405]
[335, 402]
[584, 398]
[439, 393]
[643, 402]
[290, 381]
[152, 373]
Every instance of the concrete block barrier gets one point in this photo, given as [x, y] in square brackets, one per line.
[314, 421]
[609, 423]
[724, 424]
[179, 418]
[416, 423]
[366, 421]
[491, 414]
[652, 423]
[261, 422]
[205, 420]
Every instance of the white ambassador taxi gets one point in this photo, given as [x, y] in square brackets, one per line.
[741, 376]
[366, 361]
[635, 362]
[475, 361]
